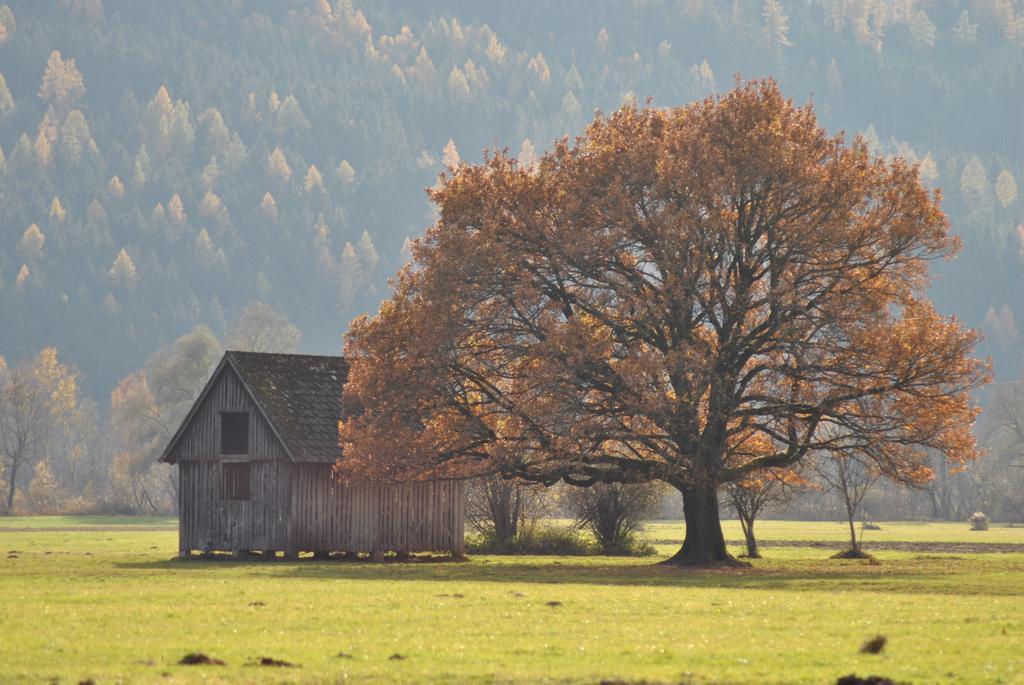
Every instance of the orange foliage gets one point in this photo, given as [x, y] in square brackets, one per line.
[697, 295]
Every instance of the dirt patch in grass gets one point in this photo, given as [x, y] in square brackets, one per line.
[875, 645]
[852, 554]
[278, 663]
[199, 659]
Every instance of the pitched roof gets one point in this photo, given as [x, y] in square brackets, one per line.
[300, 394]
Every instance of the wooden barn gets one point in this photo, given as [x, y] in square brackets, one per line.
[255, 456]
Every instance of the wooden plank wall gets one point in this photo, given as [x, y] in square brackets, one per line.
[206, 522]
[300, 507]
[201, 440]
[423, 516]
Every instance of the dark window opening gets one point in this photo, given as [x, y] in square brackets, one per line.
[234, 432]
[236, 481]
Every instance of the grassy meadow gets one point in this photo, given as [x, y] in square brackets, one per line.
[101, 598]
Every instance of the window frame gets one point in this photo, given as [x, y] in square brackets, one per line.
[222, 446]
[232, 475]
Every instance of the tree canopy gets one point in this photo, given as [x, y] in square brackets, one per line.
[687, 295]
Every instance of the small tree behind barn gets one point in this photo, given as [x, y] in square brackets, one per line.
[502, 509]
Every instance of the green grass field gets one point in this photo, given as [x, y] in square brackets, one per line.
[100, 598]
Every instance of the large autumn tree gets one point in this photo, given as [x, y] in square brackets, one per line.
[688, 295]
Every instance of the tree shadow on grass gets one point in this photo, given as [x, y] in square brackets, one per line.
[920, 575]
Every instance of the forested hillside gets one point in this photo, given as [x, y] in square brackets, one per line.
[164, 164]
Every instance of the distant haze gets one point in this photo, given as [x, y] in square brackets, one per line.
[165, 164]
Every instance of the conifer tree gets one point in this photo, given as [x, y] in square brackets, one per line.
[95, 212]
[158, 217]
[975, 187]
[277, 166]
[775, 31]
[269, 206]
[6, 99]
[450, 155]
[74, 136]
[922, 31]
[31, 244]
[211, 172]
[368, 257]
[573, 81]
[21, 281]
[495, 50]
[527, 154]
[141, 169]
[7, 22]
[1006, 188]
[314, 180]
[457, 84]
[176, 211]
[212, 207]
[539, 67]
[123, 271]
[350, 275]
[290, 117]
[43, 151]
[835, 81]
[207, 254]
[928, 170]
[964, 32]
[62, 82]
[703, 77]
[570, 105]
[23, 156]
[57, 211]
[216, 133]
[115, 188]
[346, 173]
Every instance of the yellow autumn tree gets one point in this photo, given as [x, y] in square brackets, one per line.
[176, 211]
[277, 166]
[57, 211]
[32, 241]
[6, 99]
[314, 180]
[268, 206]
[346, 173]
[62, 83]
[115, 188]
[123, 271]
[43, 150]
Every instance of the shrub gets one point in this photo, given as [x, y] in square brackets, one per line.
[978, 521]
[503, 510]
[613, 512]
[547, 540]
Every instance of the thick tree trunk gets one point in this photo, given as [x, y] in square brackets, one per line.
[704, 544]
